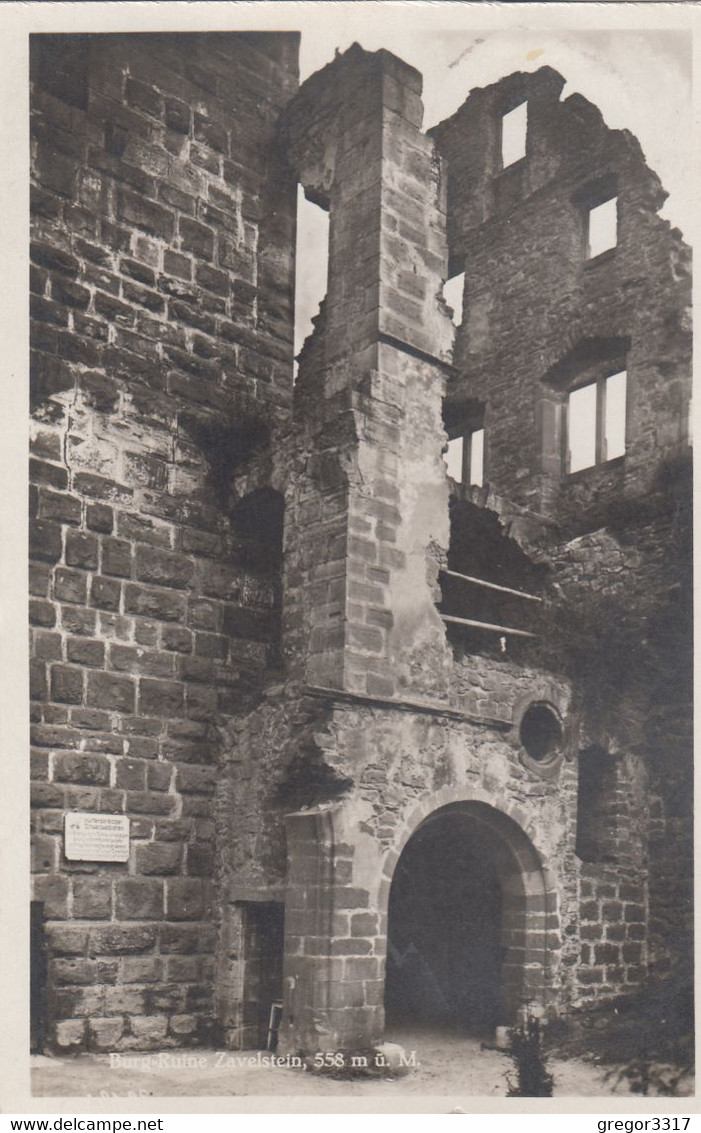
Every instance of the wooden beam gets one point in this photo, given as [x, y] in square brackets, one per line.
[487, 625]
[491, 585]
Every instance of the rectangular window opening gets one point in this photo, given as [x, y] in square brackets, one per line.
[453, 457]
[464, 458]
[596, 422]
[614, 416]
[514, 129]
[476, 470]
[581, 428]
[602, 227]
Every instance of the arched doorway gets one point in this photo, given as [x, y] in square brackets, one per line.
[467, 907]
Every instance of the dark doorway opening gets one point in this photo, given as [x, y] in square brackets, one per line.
[445, 953]
[264, 936]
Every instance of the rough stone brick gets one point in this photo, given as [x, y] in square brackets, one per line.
[68, 941]
[161, 698]
[184, 899]
[130, 774]
[196, 238]
[70, 1034]
[88, 769]
[41, 613]
[138, 900]
[159, 776]
[105, 690]
[45, 541]
[92, 899]
[60, 507]
[81, 651]
[104, 1034]
[200, 860]
[159, 858]
[66, 684]
[99, 517]
[77, 620]
[116, 557]
[148, 803]
[179, 938]
[70, 586]
[144, 214]
[166, 605]
[163, 567]
[105, 593]
[176, 638]
[116, 940]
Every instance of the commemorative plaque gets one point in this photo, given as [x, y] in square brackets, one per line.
[96, 837]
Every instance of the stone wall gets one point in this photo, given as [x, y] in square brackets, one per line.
[540, 318]
[240, 590]
[162, 290]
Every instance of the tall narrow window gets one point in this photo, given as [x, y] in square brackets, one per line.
[602, 227]
[453, 291]
[311, 265]
[614, 416]
[514, 129]
[596, 422]
[476, 450]
[581, 427]
[453, 457]
[464, 458]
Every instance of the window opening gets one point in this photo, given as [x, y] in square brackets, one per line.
[541, 733]
[514, 129]
[596, 422]
[464, 458]
[581, 427]
[311, 266]
[453, 293]
[615, 415]
[476, 454]
[453, 457]
[602, 227]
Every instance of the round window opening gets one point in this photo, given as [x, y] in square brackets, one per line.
[541, 734]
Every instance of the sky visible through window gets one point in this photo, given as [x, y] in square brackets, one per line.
[584, 419]
[453, 291]
[602, 227]
[514, 126]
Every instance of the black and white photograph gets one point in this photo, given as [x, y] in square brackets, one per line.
[359, 388]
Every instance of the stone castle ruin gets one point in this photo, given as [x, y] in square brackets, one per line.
[395, 745]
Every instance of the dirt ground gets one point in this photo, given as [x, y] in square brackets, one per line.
[445, 1064]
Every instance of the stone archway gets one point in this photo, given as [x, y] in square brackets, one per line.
[470, 921]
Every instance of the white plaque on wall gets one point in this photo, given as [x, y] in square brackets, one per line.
[96, 837]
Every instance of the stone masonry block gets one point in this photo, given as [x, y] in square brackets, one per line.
[159, 858]
[92, 898]
[70, 1034]
[104, 1034]
[165, 568]
[138, 900]
[81, 550]
[105, 690]
[185, 899]
[70, 586]
[92, 770]
[116, 940]
[105, 593]
[161, 698]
